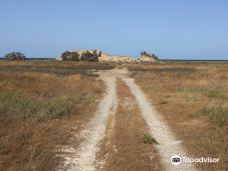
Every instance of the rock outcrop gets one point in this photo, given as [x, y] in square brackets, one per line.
[145, 57]
[97, 55]
[108, 58]
[114, 58]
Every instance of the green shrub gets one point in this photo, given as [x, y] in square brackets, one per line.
[89, 56]
[15, 56]
[70, 56]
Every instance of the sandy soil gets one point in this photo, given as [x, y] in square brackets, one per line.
[87, 158]
[123, 148]
[83, 158]
[168, 144]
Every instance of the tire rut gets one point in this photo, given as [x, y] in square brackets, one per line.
[113, 139]
[83, 158]
[126, 149]
[168, 144]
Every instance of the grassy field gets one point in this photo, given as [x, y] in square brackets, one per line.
[39, 103]
[193, 100]
[43, 104]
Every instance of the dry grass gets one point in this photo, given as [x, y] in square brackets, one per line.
[39, 108]
[56, 67]
[192, 98]
[124, 147]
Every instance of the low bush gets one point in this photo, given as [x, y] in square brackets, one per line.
[70, 56]
[15, 56]
[89, 57]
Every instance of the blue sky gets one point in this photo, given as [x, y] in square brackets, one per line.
[191, 29]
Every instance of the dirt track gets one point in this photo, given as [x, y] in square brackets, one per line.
[111, 140]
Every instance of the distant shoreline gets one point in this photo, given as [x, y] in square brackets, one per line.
[165, 60]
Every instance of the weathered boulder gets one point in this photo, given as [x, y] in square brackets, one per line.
[15, 56]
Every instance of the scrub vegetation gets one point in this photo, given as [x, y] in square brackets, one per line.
[193, 99]
[39, 103]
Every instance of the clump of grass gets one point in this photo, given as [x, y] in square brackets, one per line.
[215, 92]
[191, 98]
[90, 100]
[17, 104]
[189, 94]
[217, 113]
[183, 91]
[55, 108]
[147, 139]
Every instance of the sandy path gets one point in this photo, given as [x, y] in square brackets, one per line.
[123, 148]
[83, 158]
[168, 144]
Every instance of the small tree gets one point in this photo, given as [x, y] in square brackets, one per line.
[15, 56]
